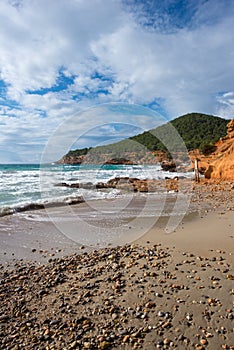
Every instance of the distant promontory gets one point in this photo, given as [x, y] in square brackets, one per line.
[198, 131]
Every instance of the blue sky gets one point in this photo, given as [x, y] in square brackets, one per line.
[59, 58]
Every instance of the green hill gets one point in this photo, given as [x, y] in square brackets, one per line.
[195, 129]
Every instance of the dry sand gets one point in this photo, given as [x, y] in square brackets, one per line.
[164, 291]
[201, 234]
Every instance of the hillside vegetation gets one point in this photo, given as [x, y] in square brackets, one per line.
[196, 130]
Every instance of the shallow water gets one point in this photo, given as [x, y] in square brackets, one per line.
[94, 224]
[23, 185]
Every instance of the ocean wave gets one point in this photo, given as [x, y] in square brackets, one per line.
[39, 205]
[29, 187]
[86, 195]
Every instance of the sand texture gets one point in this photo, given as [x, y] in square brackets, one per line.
[164, 291]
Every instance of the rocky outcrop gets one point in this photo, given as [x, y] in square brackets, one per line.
[223, 165]
[220, 163]
[129, 184]
[71, 160]
[128, 158]
[117, 161]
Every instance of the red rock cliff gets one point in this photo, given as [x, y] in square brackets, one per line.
[221, 162]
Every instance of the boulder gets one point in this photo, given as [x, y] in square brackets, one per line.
[168, 166]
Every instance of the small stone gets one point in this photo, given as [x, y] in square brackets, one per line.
[189, 317]
[181, 337]
[161, 314]
[230, 277]
[203, 341]
[150, 304]
[86, 322]
[73, 345]
[126, 338]
[209, 335]
[47, 331]
[104, 345]
[166, 341]
[114, 316]
[54, 322]
[160, 343]
[166, 324]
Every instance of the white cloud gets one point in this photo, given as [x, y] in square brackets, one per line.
[226, 104]
[185, 68]
[40, 37]
[189, 69]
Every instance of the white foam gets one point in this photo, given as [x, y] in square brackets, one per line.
[20, 188]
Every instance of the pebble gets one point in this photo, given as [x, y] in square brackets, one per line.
[73, 345]
[161, 314]
[203, 341]
[104, 345]
[126, 338]
[69, 303]
[166, 341]
[230, 277]
[150, 304]
[87, 345]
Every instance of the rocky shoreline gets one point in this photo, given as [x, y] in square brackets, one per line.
[129, 184]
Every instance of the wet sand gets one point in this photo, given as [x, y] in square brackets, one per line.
[41, 234]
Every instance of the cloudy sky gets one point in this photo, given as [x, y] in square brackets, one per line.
[59, 58]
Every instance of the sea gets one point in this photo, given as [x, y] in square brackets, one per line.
[23, 186]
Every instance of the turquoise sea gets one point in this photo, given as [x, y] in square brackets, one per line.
[24, 184]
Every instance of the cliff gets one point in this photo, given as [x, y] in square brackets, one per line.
[128, 158]
[220, 163]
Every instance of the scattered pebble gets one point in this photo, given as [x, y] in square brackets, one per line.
[127, 297]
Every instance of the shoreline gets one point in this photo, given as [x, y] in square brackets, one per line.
[162, 291]
[42, 234]
[39, 235]
[124, 186]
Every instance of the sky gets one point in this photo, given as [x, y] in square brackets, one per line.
[64, 64]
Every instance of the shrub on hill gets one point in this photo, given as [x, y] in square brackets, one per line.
[196, 130]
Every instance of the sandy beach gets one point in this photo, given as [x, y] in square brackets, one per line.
[161, 291]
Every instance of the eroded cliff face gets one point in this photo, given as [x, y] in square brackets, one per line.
[219, 164]
[223, 165]
[127, 158]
